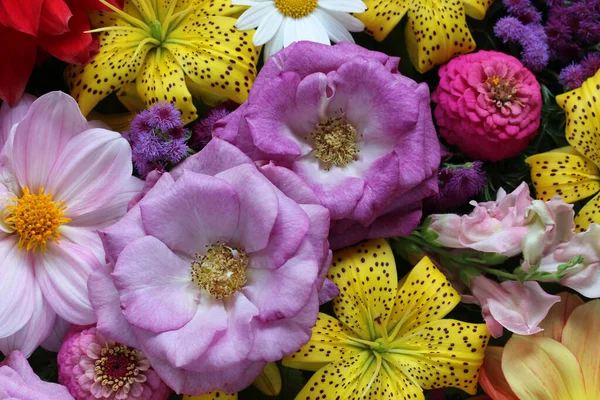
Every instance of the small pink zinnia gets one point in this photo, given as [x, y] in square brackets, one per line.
[93, 367]
[488, 104]
[61, 179]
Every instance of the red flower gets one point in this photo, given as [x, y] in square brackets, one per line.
[55, 26]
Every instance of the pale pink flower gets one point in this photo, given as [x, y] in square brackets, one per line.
[511, 225]
[61, 179]
[585, 277]
[94, 367]
[512, 305]
[19, 382]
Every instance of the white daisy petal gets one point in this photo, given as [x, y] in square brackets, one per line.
[349, 6]
[289, 31]
[254, 16]
[267, 29]
[275, 44]
[310, 28]
[336, 31]
[350, 22]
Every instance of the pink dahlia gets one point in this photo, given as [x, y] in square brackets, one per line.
[61, 179]
[488, 104]
[19, 382]
[339, 126]
[94, 367]
[213, 273]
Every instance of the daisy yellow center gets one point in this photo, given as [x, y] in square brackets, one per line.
[335, 142]
[36, 219]
[221, 271]
[117, 366]
[503, 90]
[296, 8]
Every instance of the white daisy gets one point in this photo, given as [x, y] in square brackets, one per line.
[279, 23]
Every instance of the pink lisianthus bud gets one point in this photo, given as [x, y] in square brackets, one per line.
[488, 104]
[512, 305]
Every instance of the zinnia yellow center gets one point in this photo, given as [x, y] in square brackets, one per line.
[36, 219]
[335, 142]
[221, 271]
[296, 8]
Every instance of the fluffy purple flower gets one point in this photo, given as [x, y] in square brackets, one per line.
[572, 76]
[157, 138]
[87, 357]
[202, 132]
[19, 382]
[523, 10]
[213, 273]
[339, 126]
[531, 37]
[458, 185]
[573, 27]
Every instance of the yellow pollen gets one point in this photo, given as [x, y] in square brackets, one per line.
[221, 271]
[296, 8]
[335, 142]
[36, 218]
[503, 91]
[495, 79]
[117, 366]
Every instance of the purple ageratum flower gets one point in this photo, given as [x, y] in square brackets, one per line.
[86, 358]
[532, 38]
[458, 185]
[573, 76]
[213, 273]
[157, 138]
[19, 382]
[202, 131]
[340, 127]
[523, 10]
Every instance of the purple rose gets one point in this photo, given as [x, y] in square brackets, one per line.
[214, 273]
[340, 127]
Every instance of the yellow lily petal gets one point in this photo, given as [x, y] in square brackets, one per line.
[350, 379]
[582, 107]
[116, 122]
[492, 378]
[382, 16]
[538, 367]
[588, 214]
[161, 79]
[477, 8]
[112, 68]
[130, 98]
[215, 7]
[425, 296]
[435, 33]
[563, 172]
[329, 343]
[198, 47]
[366, 276]
[217, 395]
[581, 335]
[269, 381]
[441, 353]
[554, 323]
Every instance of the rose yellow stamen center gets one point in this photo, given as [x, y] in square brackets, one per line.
[296, 8]
[117, 366]
[36, 219]
[335, 142]
[221, 271]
